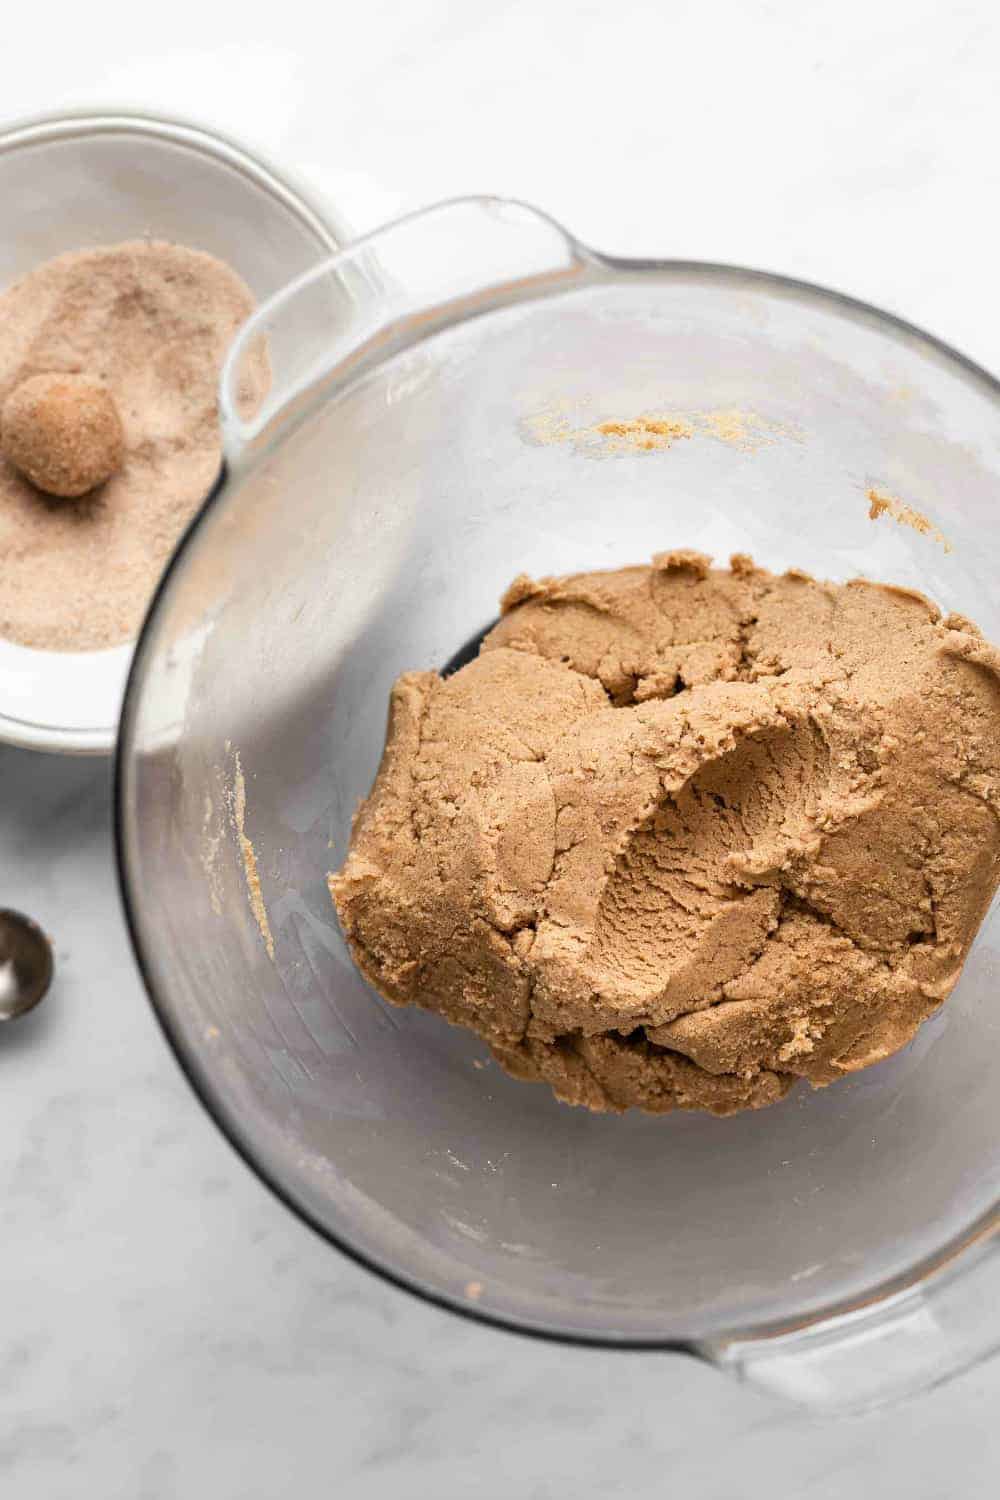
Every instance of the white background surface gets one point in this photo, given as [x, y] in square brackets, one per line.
[166, 1329]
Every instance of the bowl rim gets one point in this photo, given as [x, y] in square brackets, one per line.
[330, 230]
[963, 1246]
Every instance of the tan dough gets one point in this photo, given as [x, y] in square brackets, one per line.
[679, 836]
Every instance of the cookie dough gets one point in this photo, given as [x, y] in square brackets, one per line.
[678, 836]
[63, 433]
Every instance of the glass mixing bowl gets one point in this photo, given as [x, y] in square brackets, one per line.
[430, 435]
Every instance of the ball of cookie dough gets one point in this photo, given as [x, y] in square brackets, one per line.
[63, 433]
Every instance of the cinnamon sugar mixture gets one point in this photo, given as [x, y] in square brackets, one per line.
[151, 322]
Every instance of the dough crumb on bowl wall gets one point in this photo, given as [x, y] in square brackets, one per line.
[651, 431]
[679, 836]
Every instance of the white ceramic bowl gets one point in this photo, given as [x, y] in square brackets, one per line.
[73, 181]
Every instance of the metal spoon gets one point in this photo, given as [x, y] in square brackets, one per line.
[25, 964]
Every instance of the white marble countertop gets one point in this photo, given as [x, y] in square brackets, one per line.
[167, 1329]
